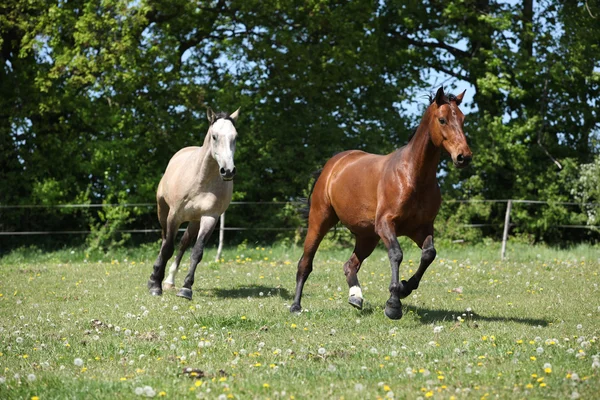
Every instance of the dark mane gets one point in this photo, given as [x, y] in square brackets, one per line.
[448, 97]
[223, 115]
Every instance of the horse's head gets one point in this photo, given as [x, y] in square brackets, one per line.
[446, 127]
[221, 138]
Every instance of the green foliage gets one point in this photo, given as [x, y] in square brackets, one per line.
[586, 190]
[107, 233]
[97, 95]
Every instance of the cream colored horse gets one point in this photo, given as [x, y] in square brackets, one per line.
[196, 187]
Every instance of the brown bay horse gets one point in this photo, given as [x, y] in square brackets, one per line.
[381, 197]
[197, 187]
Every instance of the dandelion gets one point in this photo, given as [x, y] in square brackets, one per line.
[437, 329]
[31, 377]
[139, 391]
[574, 376]
[127, 332]
[2, 379]
[148, 391]
[539, 350]
[575, 395]
[19, 340]
[266, 385]
[78, 362]
[373, 350]
[359, 387]
[322, 351]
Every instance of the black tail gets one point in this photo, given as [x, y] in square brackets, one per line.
[306, 209]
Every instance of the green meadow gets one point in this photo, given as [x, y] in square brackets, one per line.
[77, 325]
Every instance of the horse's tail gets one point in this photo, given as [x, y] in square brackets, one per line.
[306, 208]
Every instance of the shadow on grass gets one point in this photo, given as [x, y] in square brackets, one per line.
[428, 316]
[250, 291]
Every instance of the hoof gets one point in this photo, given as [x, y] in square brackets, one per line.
[155, 291]
[168, 285]
[295, 308]
[185, 293]
[393, 310]
[356, 302]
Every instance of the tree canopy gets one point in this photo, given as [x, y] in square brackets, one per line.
[97, 95]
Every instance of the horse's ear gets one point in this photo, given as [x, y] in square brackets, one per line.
[210, 114]
[235, 114]
[439, 96]
[459, 98]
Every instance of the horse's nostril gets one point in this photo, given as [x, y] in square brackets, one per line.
[460, 158]
[222, 171]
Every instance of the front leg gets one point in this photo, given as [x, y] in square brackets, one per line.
[428, 254]
[387, 232]
[207, 224]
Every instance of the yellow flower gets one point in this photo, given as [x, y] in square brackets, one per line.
[123, 379]
[429, 394]
[243, 317]
[266, 385]
[35, 398]
[386, 388]
[529, 386]
[198, 383]
[532, 358]
[542, 384]
[548, 370]
[293, 325]
[162, 393]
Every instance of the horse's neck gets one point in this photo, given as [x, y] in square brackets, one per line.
[207, 166]
[423, 155]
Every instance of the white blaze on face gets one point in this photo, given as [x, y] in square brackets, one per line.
[223, 143]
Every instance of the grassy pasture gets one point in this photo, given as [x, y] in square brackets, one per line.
[75, 326]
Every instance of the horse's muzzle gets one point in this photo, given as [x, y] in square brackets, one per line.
[463, 160]
[227, 174]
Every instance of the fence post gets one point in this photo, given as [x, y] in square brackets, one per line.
[221, 236]
[506, 225]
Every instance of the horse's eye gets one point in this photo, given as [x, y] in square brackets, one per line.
[442, 121]
[214, 137]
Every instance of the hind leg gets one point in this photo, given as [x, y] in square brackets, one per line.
[166, 251]
[207, 224]
[190, 234]
[320, 221]
[362, 249]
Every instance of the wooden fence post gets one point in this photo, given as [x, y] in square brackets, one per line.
[221, 236]
[506, 225]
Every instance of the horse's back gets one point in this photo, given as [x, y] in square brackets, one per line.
[349, 185]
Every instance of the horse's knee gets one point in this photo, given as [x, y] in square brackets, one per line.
[428, 255]
[395, 255]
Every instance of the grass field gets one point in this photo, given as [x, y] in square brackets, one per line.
[76, 326]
